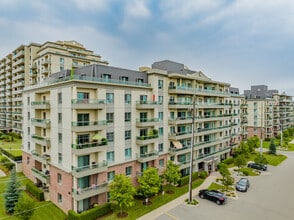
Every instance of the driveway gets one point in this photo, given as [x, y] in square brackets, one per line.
[270, 197]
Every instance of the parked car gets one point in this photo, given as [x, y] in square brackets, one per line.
[213, 195]
[242, 185]
[257, 166]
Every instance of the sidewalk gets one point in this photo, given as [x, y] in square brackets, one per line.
[180, 200]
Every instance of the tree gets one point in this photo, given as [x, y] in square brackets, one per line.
[121, 192]
[223, 169]
[253, 143]
[24, 208]
[243, 149]
[227, 181]
[240, 161]
[149, 182]
[12, 192]
[172, 174]
[272, 147]
[260, 159]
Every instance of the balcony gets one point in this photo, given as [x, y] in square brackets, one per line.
[146, 122]
[175, 136]
[43, 123]
[41, 140]
[88, 104]
[180, 105]
[144, 140]
[180, 120]
[147, 104]
[148, 156]
[89, 148]
[175, 151]
[44, 178]
[41, 158]
[89, 169]
[94, 190]
[40, 105]
[191, 91]
[84, 126]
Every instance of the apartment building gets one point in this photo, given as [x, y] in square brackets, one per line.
[30, 64]
[81, 128]
[268, 111]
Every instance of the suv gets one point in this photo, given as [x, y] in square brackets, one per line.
[258, 166]
[242, 185]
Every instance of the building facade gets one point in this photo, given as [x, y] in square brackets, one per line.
[81, 128]
[30, 64]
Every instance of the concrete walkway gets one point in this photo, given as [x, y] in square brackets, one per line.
[180, 200]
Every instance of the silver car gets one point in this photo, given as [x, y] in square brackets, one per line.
[242, 185]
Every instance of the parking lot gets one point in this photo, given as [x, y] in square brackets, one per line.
[270, 197]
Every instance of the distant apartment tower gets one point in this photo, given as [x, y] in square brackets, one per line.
[82, 128]
[30, 64]
[268, 111]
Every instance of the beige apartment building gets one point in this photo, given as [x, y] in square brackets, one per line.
[30, 64]
[81, 129]
[268, 112]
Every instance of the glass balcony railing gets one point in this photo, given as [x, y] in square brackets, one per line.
[89, 145]
[89, 123]
[89, 167]
[88, 101]
[148, 137]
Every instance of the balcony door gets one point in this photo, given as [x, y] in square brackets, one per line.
[83, 161]
[83, 119]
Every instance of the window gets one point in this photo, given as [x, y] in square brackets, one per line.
[59, 158]
[128, 98]
[83, 97]
[160, 99]
[59, 198]
[110, 156]
[124, 78]
[128, 153]
[160, 147]
[160, 131]
[59, 98]
[28, 160]
[110, 176]
[128, 134]
[109, 117]
[61, 68]
[59, 178]
[128, 171]
[161, 162]
[29, 145]
[29, 130]
[139, 80]
[29, 101]
[160, 84]
[83, 138]
[160, 116]
[59, 117]
[59, 138]
[110, 136]
[109, 97]
[61, 60]
[143, 98]
[127, 116]
[106, 76]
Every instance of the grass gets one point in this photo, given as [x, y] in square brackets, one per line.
[44, 210]
[15, 152]
[16, 144]
[249, 171]
[139, 209]
[219, 187]
[274, 160]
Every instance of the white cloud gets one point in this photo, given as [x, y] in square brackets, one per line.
[92, 5]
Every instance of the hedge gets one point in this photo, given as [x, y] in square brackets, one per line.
[6, 163]
[11, 156]
[90, 214]
[35, 191]
[185, 180]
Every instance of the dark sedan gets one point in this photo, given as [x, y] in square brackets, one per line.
[258, 166]
[213, 195]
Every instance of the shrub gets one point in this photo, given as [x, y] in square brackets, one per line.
[35, 191]
[185, 180]
[245, 172]
[203, 174]
[6, 163]
[90, 214]
[11, 156]
[228, 161]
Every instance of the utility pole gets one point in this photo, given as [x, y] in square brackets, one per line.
[261, 121]
[191, 150]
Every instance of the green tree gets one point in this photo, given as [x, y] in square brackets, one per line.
[272, 147]
[12, 192]
[228, 181]
[172, 174]
[223, 169]
[149, 182]
[240, 161]
[121, 192]
[260, 159]
[253, 143]
[24, 208]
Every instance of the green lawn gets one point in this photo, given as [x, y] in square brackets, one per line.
[219, 187]
[274, 160]
[15, 152]
[139, 209]
[11, 145]
[47, 210]
[250, 171]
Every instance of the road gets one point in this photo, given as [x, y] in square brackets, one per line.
[270, 197]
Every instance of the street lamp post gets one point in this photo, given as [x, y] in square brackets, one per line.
[191, 150]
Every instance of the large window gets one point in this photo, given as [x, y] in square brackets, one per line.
[109, 97]
[59, 198]
[83, 119]
[59, 98]
[110, 136]
[83, 138]
[59, 178]
[59, 138]
[128, 134]
[83, 96]
[110, 176]
[128, 171]
[110, 156]
[128, 153]
[160, 84]
[109, 117]
[128, 98]
[127, 116]
[160, 147]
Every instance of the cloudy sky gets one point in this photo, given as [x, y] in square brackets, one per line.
[242, 42]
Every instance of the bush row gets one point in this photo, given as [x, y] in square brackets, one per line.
[11, 156]
[6, 163]
[90, 214]
[35, 191]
